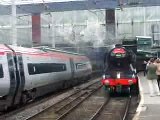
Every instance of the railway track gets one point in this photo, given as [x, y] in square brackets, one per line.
[41, 104]
[88, 103]
[113, 109]
[110, 109]
[88, 106]
[67, 105]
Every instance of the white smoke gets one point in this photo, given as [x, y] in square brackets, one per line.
[95, 33]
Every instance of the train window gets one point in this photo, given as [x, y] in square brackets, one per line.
[80, 65]
[10, 62]
[39, 68]
[1, 71]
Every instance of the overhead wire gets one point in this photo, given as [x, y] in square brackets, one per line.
[18, 6]
[30, 14]
[7, 2]
[46, 7]
[18, 17]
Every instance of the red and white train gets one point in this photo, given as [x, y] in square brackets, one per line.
[26, 73]
[119, 73]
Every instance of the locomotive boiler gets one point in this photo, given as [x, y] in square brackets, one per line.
[119, 71]
[26, 73]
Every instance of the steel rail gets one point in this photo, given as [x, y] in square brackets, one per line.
[71, 109]
[63, 99]
[79, 90]
[127, 108]
[70, 102]
[123, 117]
[99, 110]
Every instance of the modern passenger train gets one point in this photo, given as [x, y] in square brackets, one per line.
[119, 71]
[26, 73]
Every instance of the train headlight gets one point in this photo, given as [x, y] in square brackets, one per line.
[104, 77]
[130, 82]
[106, 82]
[118, 75]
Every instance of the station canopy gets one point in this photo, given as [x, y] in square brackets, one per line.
[41, 6]
[20, 2]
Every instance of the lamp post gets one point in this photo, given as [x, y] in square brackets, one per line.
[144, 20]
[13, 24]
[52, 29]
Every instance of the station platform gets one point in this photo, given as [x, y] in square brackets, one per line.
[149, 107]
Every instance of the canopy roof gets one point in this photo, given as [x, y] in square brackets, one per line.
[40, 6]
[62, 5]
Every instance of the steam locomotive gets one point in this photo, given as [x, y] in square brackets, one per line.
[26, 73]
[119, 71]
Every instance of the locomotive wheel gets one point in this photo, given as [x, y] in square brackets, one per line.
[112, 93]
[88, 77]
[4, 108]
[105, 92]
[24, 98]
[33, 94]
[65, 85]
[135, 90]
[129, 90]
[109, 91]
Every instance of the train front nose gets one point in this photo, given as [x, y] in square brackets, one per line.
[4, 75]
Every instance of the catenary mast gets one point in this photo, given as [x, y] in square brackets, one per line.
[13, 24]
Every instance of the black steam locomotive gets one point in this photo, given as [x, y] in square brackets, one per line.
[119, 70]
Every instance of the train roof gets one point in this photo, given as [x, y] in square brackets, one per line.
[147, 51]
[24, 49]
[143, 37]
[34, 50]
[46, 48]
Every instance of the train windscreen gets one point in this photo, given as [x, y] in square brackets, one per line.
[119, 60]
